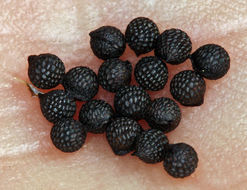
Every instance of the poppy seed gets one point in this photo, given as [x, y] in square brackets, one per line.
[141, 35]
[150, 146]
[211, 61]
[114, 73]
[131, 101]
[163, 114]
[188, 87]
[180, 160]
[151, 73]
[81, 83]
[122, 133]
[45, 70]
[107, 42]
[174, 46]
[68, 135]
[56, 105]
[95, 115]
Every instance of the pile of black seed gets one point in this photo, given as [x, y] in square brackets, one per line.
[131, 103]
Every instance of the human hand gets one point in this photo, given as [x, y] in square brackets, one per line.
[217, 129]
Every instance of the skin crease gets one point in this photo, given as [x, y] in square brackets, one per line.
[217, 129]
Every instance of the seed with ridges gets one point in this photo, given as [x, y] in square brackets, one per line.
[211, 61]
[107, 42]
[114, 73]
[45, 70]
[131, 101]
[180, 160]
[95, 115]
[68, 135]
[188, 87]
[151, 73]
[81, 83]
[121, 134]
[150, 146]
[141, 35]
[174, 46]
[57, 104]
[163, 114]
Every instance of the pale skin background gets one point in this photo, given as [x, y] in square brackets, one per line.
[217, 129]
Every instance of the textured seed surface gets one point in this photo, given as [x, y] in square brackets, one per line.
[150, 146]
[163, 114]
[211, 61]
[81, 83]
[95, 115]
[151, 73]
[141, 35]
[114, 73]
[45, 70]
[57, 104]
[107, 42]
[121, 134]
[188, 88]
[180, 160]
[68, 135]
[131, 101]
[174, 46]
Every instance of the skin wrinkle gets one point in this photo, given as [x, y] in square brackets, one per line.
[220, 139]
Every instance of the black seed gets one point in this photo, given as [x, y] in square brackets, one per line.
[131, 101]
[174, 46]
[107, 42]
[95, 115]
[81, 83]
[150, 146]
[68, 135]
[180, 160]
[163, 114]
[211, 61]
[114, 73]
[188, 88]
[151, 73]
[141, 35]
[121, 134]
[45, 70]
[57, 104]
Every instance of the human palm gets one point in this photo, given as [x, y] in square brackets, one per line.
[217, 129]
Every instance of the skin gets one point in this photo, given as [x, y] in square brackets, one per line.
[217, 129]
